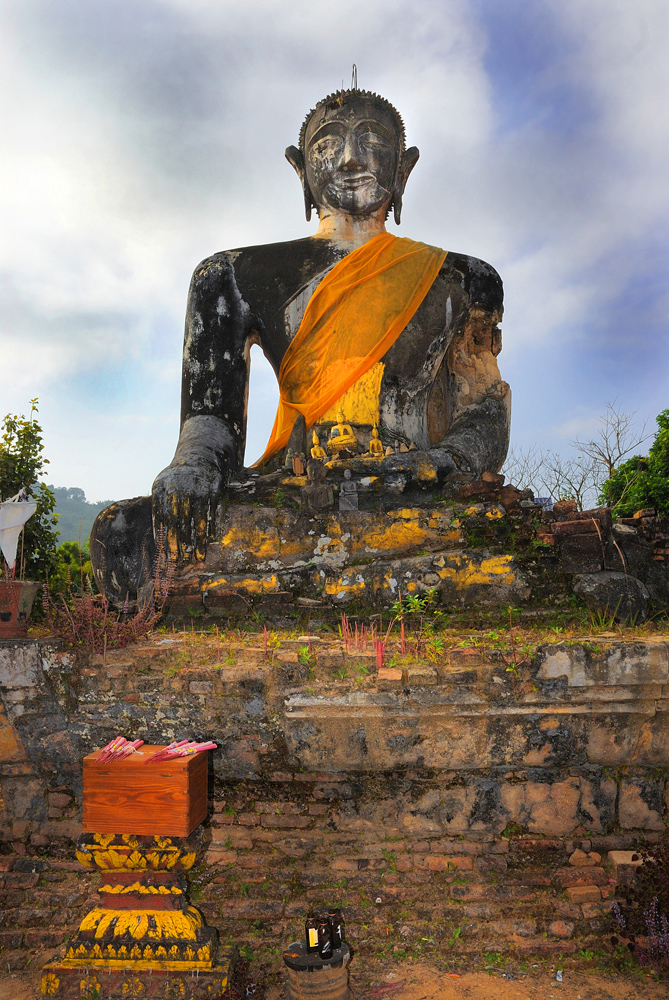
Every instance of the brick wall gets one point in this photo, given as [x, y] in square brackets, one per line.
[437, 801]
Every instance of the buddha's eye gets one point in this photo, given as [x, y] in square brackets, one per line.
[373, 140]
[327, 146]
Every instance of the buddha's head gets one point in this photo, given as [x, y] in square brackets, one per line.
[352, 158]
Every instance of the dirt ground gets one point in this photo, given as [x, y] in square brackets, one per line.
[421, 981]
[425, 982]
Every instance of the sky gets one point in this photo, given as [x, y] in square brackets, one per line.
[140, 136]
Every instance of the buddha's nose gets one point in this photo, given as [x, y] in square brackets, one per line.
[350, 156]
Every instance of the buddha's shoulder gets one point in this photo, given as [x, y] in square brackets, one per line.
[299, 259]
[478, 279]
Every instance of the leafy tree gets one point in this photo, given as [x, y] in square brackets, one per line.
[74, 572]
[642, 482]
[21, 463]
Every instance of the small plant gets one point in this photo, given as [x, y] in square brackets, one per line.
[641, 920]
[87, 621]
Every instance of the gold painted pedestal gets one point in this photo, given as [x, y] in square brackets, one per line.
[143, 939]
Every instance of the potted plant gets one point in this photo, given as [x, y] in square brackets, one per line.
[16, 596]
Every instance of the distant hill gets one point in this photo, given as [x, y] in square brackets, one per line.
[76, 513]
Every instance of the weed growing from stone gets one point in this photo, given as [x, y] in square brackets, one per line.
[641, 919]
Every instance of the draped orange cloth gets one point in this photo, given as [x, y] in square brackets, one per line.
[355, 315]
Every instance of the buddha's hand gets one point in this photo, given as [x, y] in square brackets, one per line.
[185, 497]
[186, 493]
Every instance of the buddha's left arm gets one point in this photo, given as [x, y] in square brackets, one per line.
[478, 435]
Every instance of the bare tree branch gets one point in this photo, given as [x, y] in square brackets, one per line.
[615, 439]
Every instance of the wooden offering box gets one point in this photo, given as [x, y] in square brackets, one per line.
[168, 798]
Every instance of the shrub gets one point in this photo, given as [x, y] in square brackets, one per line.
[642, 482]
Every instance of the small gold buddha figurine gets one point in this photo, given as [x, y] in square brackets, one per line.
[375, 445]
[342, 437]
[317, 452]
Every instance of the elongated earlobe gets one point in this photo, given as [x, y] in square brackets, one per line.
[296, 160]
[409, 160]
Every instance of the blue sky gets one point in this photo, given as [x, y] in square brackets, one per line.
[143, 135]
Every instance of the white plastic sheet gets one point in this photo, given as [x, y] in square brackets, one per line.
[13, 515]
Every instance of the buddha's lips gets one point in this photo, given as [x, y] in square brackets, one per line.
[353, 181]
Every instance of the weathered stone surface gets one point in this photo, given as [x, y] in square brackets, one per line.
[616, 594]
[475, 753]
[641, 804]
[581, 553]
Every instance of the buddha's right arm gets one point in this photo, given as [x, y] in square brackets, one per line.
[213, 401]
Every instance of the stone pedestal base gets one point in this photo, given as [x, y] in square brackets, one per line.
[69, 983]
[143, 939]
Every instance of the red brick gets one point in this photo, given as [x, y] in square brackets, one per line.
[21, 880]
[248, 819]
[280, 808]
[564, 528]
[418, 846]
[388, 678]
[403, 863]
[251, 861]
[442, 862]
[584, 894]
[228, 837]
[58, 800]
[11, 939]
[252, 909]
[567, 877]
[45, 939]
[561, 928]
[523, 928]
[216, 857]
[344, 865]
[317, 809]
[6, 862]
[570, 911]
[286, 822]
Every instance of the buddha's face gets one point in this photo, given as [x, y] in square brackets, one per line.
[352, 155]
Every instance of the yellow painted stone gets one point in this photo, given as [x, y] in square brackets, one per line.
[360, 403]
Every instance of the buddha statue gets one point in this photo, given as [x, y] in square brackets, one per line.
[412, 347]
[375, 445]
[317, 452]
[342, 437]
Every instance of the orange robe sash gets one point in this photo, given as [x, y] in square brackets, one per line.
[354, 316]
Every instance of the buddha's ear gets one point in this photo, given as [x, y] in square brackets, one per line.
[296, 160]
[407, 163]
